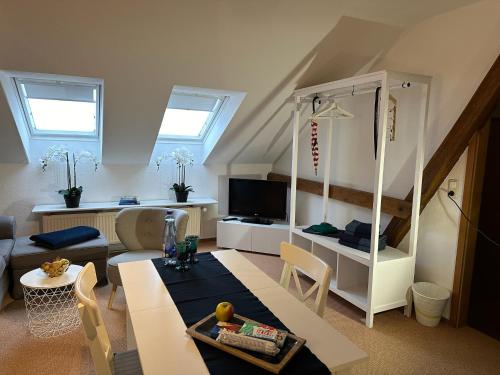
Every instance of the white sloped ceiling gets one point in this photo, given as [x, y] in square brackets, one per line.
[11, 145]
[142, 48]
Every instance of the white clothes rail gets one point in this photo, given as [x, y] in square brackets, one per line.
[373, 282]
[354, 92]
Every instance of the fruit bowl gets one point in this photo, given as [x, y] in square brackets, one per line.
[55, 268]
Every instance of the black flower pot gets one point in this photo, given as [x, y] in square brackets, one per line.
[182, 196]
[72, 199]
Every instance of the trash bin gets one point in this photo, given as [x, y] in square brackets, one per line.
[430, 300]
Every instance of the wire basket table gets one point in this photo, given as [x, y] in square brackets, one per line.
[51, 304]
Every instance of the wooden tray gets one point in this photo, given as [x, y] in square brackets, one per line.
[201, 331]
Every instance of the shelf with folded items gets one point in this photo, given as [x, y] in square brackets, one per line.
[388, 254]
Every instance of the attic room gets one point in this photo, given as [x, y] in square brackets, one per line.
[221, 186]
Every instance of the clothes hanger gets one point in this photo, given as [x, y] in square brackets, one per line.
[331, 111]
[318, 99]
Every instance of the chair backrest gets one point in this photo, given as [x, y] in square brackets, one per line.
[93, 325]
[295, 257]
[143, 228]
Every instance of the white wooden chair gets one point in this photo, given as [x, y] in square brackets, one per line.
[295, 257]
[105, 362]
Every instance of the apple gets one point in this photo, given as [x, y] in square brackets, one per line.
[224, 312]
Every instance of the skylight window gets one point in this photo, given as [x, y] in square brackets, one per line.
[189, 115]
[60, 108]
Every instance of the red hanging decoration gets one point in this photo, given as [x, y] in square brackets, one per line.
[314, 146]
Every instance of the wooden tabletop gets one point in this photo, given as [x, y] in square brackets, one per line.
[166, 348]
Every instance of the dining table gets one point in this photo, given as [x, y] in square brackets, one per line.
[157, 330]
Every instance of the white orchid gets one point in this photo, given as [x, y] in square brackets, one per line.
[61, 153]
[183, 158]
[58, 153]
[158, 161]
[86, 155]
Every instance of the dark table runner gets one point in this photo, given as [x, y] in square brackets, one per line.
[197, 292]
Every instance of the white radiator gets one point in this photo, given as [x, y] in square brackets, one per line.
[105, 222]
[194, 223]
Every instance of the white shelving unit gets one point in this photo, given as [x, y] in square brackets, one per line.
[375, 281]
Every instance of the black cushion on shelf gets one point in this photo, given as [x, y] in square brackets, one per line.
[65, 237]
[359, 229]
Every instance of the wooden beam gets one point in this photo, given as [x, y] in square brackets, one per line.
[392, 206]
[473, 117]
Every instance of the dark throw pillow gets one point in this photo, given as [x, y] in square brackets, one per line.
[65, 237]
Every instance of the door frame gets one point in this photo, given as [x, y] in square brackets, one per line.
[471, 204]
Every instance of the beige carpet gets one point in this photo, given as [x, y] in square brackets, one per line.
[396, 345]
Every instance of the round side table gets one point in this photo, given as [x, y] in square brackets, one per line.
[51, 304]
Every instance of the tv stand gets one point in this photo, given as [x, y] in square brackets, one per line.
[252, 237]
[256, 220]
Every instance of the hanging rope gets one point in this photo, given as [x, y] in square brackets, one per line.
[314, 138]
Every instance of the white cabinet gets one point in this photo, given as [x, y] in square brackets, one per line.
[267, 238]
[234, 236]
[251, 237]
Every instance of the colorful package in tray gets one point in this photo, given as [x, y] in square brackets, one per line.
[224, 325]
[262, 331]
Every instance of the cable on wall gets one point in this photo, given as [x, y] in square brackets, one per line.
[450, 195]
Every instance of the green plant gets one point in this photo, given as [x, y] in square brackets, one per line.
[182, 187]
[72, 191]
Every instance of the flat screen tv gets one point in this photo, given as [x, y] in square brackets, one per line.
[257, 198]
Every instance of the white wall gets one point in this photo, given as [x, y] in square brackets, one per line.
[456, 49]
[24, 185]
[353, 161]
[438, 234]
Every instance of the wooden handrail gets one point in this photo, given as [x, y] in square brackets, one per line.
[473, 117]
[392, 206]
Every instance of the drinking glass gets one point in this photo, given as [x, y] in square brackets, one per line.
[182, 255]
[192, 248]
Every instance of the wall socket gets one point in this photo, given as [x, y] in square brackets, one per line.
[453, 185]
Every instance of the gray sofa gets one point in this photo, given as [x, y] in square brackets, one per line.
[27, 256]
[7, 240]
[21, 255]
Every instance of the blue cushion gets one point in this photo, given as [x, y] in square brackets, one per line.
[65, 237]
